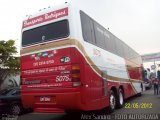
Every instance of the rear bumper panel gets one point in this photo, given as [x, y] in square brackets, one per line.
[58, 103]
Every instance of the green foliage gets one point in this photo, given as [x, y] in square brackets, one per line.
[9, 64]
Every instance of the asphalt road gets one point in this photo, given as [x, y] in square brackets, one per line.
[146, 104]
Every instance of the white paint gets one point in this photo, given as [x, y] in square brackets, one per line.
[137, 86]
[107, 62]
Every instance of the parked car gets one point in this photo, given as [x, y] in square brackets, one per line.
[147, 84]
[10, 101]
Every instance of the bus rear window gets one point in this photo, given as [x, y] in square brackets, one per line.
[45, 33]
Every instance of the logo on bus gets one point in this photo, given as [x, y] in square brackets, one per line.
[96, 52]
[38, 56]
[65, 59]
[43, 38]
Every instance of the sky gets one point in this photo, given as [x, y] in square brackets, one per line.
[136, 22]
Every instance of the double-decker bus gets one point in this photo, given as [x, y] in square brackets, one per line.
[71, 62]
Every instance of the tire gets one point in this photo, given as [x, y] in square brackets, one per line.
[15, 109]
[120, 98]
[112, 101]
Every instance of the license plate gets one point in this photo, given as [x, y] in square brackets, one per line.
[45, 99]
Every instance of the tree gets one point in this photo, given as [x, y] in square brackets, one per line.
[9, 64]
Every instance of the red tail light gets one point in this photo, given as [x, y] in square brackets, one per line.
[20, 79]
[76, 75]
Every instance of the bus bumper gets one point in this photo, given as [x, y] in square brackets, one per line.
[54, 103]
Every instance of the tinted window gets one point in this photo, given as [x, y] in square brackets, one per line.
[87, 28]
[120, 47]
[95, 34]
[131, 54]
[99, 35]
[113, 44]
[107, 37]
[46, 33]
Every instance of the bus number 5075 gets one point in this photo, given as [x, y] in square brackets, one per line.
[63, 78]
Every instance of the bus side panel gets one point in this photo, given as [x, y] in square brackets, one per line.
[135, 75]
[134, 70]
[91, 83]
[78, 59]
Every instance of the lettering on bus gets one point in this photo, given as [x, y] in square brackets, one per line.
[45, 85]
[46, 17]
[45, 70]
[32, 82]
[35, 64]
[63, 78]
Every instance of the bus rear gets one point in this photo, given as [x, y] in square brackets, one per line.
[69, 62]
[50, 66]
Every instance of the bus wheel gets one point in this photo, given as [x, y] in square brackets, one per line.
[120, 100]
[112, 101]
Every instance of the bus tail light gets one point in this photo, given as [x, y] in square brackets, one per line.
[20, 80]
[76, 75]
